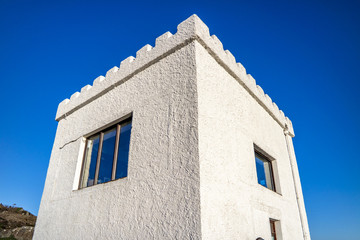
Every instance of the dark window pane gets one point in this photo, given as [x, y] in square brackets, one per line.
[92, 149]
[273, 230]
[107, 156]
[123, 154]
[264, 171]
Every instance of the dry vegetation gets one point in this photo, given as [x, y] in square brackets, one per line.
[16, 223]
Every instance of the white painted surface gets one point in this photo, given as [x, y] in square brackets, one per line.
[196, 117]
[231, 121]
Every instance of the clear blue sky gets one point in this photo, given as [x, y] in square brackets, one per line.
[304, 54]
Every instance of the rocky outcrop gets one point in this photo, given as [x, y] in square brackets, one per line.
[16, 223]
[19, 233]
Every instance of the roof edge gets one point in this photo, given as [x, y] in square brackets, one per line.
[193, 28]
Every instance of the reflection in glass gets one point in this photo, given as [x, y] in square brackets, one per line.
[107, 156]
[264, 171]
[123, 154]
[91, 153]
[260, 170]
[111, 148]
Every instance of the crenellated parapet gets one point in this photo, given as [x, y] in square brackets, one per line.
[192, 29]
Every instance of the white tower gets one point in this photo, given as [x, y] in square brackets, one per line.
[177, 143]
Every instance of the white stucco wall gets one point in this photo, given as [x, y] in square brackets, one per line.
[160, 197]
[196, 118]
[233, 204]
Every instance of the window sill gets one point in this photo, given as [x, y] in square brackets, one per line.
[262, 187]
[99, 184]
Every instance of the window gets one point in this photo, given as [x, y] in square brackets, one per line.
[273, 224]
[106, 155]
[264, 171]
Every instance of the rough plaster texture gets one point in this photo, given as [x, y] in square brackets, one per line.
[230, 122]
[196, 118]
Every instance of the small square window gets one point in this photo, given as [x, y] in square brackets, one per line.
[106, 155]
[264, 171]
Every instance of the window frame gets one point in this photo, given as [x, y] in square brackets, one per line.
[262, 156]
[126, 120]
[275, 229]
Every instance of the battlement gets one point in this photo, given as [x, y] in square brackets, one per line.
[192, 29]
